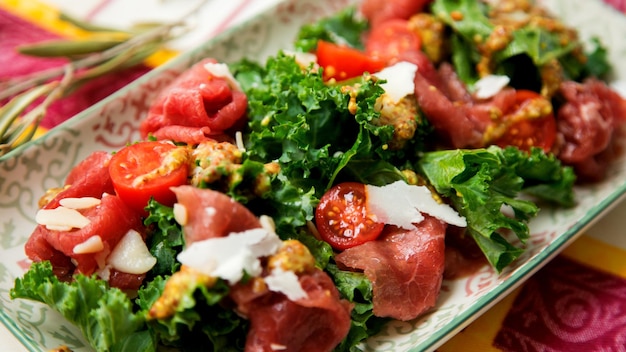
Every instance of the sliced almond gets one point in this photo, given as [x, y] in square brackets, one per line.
[61, 217]
[80, 203]
[180, 214]
[93, 244]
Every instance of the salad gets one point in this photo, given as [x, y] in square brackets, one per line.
[302, 202]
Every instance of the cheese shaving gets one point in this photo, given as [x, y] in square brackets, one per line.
[221, 70]
[490, 85]
[402, 205]
[620, 87]
[400, 80]
[285, 282]
[229, 257]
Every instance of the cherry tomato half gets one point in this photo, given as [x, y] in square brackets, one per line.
[148, 169]
[342, 62]
[528, 132]
[343, 219]
[390, 39]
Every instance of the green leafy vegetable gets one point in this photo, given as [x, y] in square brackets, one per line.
[305, 124]
[165, 240]
[342, 28]
[357, 289]
[528, 48]
[104, 315]
[480, 182]
[597, 64]
[198, 320]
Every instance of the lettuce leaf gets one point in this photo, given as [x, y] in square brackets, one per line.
[530, 47]
[104, 315]
[165, 240]
[481, 182]
[305, 124]
[355, 287]
[200, 322]
[342, 28]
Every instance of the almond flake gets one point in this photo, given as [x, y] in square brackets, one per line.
[59, 228]
[61, 217]
[180, 214]
[93, 244]
[277, 347]
[80, 203]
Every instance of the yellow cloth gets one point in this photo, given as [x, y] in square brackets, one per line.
[48, 18]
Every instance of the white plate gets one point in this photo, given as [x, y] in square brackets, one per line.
[26, 173]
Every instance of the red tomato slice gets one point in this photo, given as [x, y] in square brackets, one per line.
[390, 39]
[530, 131]
[343, 62]
[343, 219]
[148, 169]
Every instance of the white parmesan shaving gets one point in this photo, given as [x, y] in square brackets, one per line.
[80, 203]
[400, 80]
[61, 217]
[402, 205]
[93, 244]
[221, 70]
[229, 257]
[285, 282]
[490, 85]
[302, 59]
[180, 214]
[131, 255]
[620, 87]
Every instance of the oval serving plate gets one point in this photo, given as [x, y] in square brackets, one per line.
[27, 172]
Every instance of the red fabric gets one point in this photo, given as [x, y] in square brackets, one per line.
[14, 32]
[566, 306]
[618, 4]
